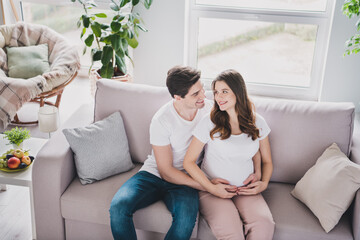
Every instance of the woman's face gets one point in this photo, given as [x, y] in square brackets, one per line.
[224, 96]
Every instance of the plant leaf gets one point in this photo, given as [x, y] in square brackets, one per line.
[115, 41]
[106, 55]
[147, 3]
[120, 52]
[127, 54]
[130, 34]
[86, 21]
[358, 24]
[132, 42]
[115, 26]
[106, 40]
[104, 26]
[96, 54]
[96, 28]
[123, 3]
[83, 32]
[101, 15]
[114, 7]
[120, 63]
[135, 2]
[118, 17]
[107, 70]
[141, 27]
[89, 40]
[124, 44]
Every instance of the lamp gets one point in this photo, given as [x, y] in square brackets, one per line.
[48, 119]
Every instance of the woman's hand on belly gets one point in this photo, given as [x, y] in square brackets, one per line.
[253, 188]
[252, 178]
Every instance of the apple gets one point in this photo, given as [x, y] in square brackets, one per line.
[26, 160]
[18, 153]
[13, 162]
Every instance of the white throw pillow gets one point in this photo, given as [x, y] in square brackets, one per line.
[329, 187]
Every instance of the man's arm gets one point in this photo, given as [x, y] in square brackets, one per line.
[164, 161]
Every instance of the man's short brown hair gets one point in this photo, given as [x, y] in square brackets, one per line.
[180, 79]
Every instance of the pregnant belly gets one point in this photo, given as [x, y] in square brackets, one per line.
[234, 173]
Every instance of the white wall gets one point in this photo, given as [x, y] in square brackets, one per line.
[341, 78]
[162, 47]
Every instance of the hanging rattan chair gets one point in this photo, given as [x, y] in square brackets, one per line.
[63, 62]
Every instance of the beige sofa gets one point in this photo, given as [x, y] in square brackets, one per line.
[301, 131]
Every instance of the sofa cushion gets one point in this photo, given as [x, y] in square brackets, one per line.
[100, 149]
[132, 100]
[293, 220]
[322, 187]
[78, 199]
[301, 130]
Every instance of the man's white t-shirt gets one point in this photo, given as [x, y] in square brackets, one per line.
[230, 159]
[168, 127]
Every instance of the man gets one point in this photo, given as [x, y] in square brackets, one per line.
[162, 176]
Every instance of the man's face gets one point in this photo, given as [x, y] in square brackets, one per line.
[195, 97]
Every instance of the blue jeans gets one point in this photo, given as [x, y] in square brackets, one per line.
[144, 189]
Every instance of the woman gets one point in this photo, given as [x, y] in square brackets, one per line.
[232, 135]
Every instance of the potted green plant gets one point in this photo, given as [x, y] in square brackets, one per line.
[16, 136]
[109, 42]
[351, 8]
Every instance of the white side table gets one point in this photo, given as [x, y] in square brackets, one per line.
[23, 178]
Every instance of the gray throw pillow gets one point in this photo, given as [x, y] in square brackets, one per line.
[27, 62]
[100, 149]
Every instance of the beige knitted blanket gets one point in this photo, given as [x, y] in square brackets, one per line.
[63, 59]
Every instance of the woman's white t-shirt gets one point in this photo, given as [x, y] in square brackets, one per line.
[230, 159]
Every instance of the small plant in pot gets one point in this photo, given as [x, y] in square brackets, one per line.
[16, 136]
[109, 42]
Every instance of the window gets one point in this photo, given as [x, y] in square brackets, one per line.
[279, 46]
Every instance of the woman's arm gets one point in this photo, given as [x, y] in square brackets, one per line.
[267, 169]
[257, 165]
[164, 161]
[198, 175]
[256, 175]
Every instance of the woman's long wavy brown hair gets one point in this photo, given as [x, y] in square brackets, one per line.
[243, 107]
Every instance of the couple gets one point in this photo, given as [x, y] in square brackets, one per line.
[237, 152]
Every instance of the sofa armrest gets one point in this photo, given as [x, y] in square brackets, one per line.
[52, 172]
[356, 216]
[355, 157]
